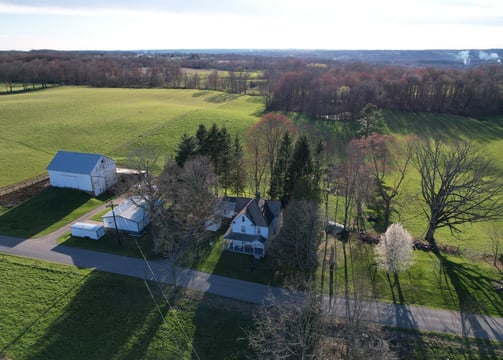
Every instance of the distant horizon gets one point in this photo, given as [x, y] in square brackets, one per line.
[109, 25]
[247, 49]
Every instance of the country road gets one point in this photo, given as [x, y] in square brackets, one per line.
[403, 316]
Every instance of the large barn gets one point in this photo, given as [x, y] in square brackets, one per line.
[93, 173]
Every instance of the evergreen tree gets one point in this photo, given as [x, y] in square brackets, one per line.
[201, 138]
[223, 155]
[280, 171]
[186, 148]
[211, 146]
[238, 168]
[370, 121]
[300, 167]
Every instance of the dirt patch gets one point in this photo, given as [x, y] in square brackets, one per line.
[19, 196]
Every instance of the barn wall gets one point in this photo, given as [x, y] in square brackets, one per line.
[73, 181]
[104, 175]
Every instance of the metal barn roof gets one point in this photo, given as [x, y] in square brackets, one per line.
[74, 162]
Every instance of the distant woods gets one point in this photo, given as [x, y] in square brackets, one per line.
[323, 90]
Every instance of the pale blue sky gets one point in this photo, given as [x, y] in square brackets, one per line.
[250, 24]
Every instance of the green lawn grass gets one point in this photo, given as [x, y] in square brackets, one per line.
[128, 245]
[451, 282]
[36, 125]
[215, 260]
[48, 211]
[51, 311]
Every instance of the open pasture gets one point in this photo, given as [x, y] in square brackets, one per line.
[110, 121]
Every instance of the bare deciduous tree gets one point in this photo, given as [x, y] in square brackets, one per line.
[266, 136]
[458, 185]
[142, 187]
[189, 204]
[298, 241]
[288, 326]
[386, 157]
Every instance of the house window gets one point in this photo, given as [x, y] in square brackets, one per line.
[259, 230]
[243, 228]
[242, 219]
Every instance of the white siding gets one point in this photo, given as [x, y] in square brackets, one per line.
[122, 224]
[243, 223]
[104, 175]
[74, 181]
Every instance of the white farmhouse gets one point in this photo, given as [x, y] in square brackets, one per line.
[257, 222]
[93, 173]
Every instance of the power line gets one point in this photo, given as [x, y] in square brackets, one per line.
[154, 278]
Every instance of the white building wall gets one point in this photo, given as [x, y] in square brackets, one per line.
[104, 175]
[74, 181]
[238, 225]
[122, 224]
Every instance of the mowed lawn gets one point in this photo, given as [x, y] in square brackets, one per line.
[50, 311]
[111, 121]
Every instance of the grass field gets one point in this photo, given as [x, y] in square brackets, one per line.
[50, 311]
[48, 211]
[111, 121]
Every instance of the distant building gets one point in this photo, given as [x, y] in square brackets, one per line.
[93, 173]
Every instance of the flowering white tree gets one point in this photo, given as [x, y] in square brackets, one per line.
[394, 251]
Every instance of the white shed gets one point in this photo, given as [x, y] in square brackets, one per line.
[131, 216]
[93, 173]
[87, 230]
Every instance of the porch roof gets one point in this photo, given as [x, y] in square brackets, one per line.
[244, 237]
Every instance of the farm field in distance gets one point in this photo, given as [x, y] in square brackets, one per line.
[36, 125]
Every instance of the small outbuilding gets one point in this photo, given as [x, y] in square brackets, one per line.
[87, 230]
[131, 216]
[93, 173]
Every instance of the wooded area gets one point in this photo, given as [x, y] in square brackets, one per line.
[320, 88]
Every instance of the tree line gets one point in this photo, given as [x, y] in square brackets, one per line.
[323, 89]
[340, 92]
[123, 69]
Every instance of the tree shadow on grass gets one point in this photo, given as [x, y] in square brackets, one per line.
[448, 127]
[42, 211]
[247, 268]
[475, 294]
[108, 317]
[221, 98]
[403, 316]
[220, 330]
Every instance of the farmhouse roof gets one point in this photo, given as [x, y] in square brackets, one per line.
[260, 212]
[74, 162]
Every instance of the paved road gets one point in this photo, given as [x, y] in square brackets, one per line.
[410, 317]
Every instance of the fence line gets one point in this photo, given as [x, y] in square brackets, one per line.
[22, 184]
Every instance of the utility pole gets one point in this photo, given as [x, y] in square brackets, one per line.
[111, 205]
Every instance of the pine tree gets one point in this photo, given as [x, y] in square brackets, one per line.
[279, 174]
[238, 168]
[186, 148]
[223, 157]
[202, 137]
[300, 171]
